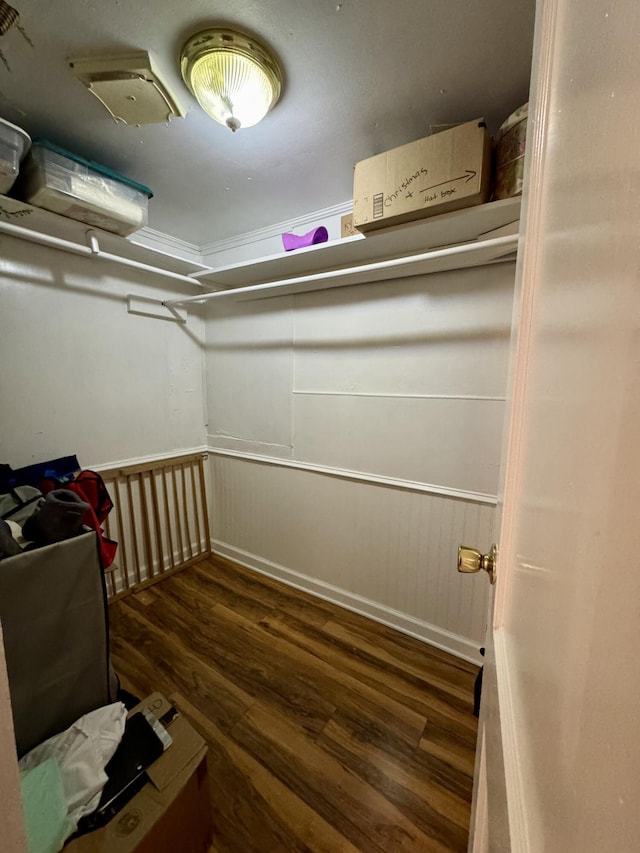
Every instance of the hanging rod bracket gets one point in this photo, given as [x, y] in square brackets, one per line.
[156, 308]
[92, 242]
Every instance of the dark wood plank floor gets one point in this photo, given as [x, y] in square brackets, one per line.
[327, 732]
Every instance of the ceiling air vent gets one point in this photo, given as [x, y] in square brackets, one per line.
[128, 86]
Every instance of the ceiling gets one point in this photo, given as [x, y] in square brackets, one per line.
[361, 77]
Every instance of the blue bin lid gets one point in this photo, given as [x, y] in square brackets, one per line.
[91, 164]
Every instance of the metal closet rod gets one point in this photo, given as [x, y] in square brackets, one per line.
[508, 242]
[92, 249]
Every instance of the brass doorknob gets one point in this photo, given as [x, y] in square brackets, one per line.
[470, 560]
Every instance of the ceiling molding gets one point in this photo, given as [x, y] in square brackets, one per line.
[165, 244]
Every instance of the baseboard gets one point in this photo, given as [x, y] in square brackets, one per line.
[434, 636]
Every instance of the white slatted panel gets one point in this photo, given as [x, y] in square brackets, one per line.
[159, 520]
[392, 548]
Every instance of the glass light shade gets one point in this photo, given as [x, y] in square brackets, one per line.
[232, 77]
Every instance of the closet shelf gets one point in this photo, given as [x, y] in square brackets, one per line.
[412, 238]
[472, 254]
[436, 244]
[26, 222]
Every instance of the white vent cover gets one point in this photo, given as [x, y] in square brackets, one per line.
[128, 86]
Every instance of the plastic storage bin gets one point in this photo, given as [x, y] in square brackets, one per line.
[14, 144]
[65, 183]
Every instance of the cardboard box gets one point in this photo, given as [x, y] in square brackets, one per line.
[173, 811]
[346, 226]
[437, 174]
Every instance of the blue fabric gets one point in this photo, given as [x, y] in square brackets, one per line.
[61, 469]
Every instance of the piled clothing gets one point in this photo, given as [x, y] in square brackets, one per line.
[32, 517]
[62, 779]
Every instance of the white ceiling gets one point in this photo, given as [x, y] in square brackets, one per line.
[361, 76]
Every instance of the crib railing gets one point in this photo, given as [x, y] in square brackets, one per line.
[160, 521]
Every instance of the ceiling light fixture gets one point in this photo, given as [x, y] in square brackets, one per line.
[232, 76]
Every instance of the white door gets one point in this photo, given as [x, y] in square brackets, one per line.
[558, 765]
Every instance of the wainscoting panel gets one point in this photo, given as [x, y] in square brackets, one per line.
[386, 552]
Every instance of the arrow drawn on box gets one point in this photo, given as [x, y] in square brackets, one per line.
[466, 178]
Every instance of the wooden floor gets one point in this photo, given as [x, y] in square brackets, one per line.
[327, 732]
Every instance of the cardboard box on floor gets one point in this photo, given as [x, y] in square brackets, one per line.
[437, 174]
[172, 812]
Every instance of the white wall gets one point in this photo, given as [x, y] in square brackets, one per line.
[81, 375]
[376, 411]
[386, 399]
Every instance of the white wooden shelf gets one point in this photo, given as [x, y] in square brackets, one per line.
[461, 226]
[437, 244]
[472, 254]
[56, 231]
